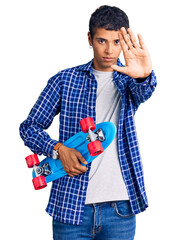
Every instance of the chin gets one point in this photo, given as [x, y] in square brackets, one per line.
[108, 65]
[107, 68]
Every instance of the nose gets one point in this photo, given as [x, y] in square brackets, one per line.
[109, 49]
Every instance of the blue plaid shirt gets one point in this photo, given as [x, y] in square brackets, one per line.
[72, 93]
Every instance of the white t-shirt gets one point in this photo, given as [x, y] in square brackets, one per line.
[105, 178]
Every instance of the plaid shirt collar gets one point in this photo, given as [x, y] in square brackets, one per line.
[88, 68]
[119, 78]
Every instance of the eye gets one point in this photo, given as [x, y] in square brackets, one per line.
[117, 42]
[101, 41]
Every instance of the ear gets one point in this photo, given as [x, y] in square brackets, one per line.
[90, 39]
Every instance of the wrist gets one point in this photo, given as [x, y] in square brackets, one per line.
[57, 146]
[56, 150]
[140, 80]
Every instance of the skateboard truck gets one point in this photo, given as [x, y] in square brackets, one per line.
[94, 146]
[43, 170]
[39, 181]
[98, 135]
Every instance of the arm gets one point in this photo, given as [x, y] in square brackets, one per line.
[40, 118]
[142, 81]
[142, 89]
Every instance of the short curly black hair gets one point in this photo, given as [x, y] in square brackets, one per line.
[110, 18]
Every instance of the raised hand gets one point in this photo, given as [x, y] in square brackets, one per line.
[136, 55]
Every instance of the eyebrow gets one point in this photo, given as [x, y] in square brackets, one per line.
[100, 38]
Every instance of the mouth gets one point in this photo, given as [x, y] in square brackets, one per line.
[108, 59]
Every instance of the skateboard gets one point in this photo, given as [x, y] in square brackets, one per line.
[90, 142]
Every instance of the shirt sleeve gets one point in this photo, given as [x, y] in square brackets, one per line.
[40, 118]
[142, 90]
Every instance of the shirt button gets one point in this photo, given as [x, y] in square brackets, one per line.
[83, 187]
[93, 88]
[91, 107]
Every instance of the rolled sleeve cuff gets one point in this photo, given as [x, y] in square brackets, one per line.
[48, 147]
[151, 79]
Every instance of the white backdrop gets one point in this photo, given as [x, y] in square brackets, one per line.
[40, 38]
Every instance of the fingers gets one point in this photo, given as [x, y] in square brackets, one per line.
[133, 38]
[72, 160]
[129, 41]
[123, 43]
[80, 157]
[125, 39]
[77, 168]
[141, 41]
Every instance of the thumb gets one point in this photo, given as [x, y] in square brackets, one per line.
[119, 69]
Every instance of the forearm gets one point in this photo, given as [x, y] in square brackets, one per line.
[36, 138]
[40, 118]
[142, 89]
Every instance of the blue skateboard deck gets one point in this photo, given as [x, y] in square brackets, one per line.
[53, 169]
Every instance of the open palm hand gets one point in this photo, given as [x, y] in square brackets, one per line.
[136, 55]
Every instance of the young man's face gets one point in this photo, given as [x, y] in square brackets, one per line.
[106, 47]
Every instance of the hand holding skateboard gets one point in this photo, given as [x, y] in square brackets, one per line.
[87, 144]
[70, 158]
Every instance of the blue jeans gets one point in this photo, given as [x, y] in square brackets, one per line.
[102, 221]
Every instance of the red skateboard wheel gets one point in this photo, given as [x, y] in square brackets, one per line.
[39, 182]
[87, 123]
[32, 160]
[95, 148]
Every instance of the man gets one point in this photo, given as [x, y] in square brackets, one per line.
[100, 200]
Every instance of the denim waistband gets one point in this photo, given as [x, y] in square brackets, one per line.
[111, 203]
